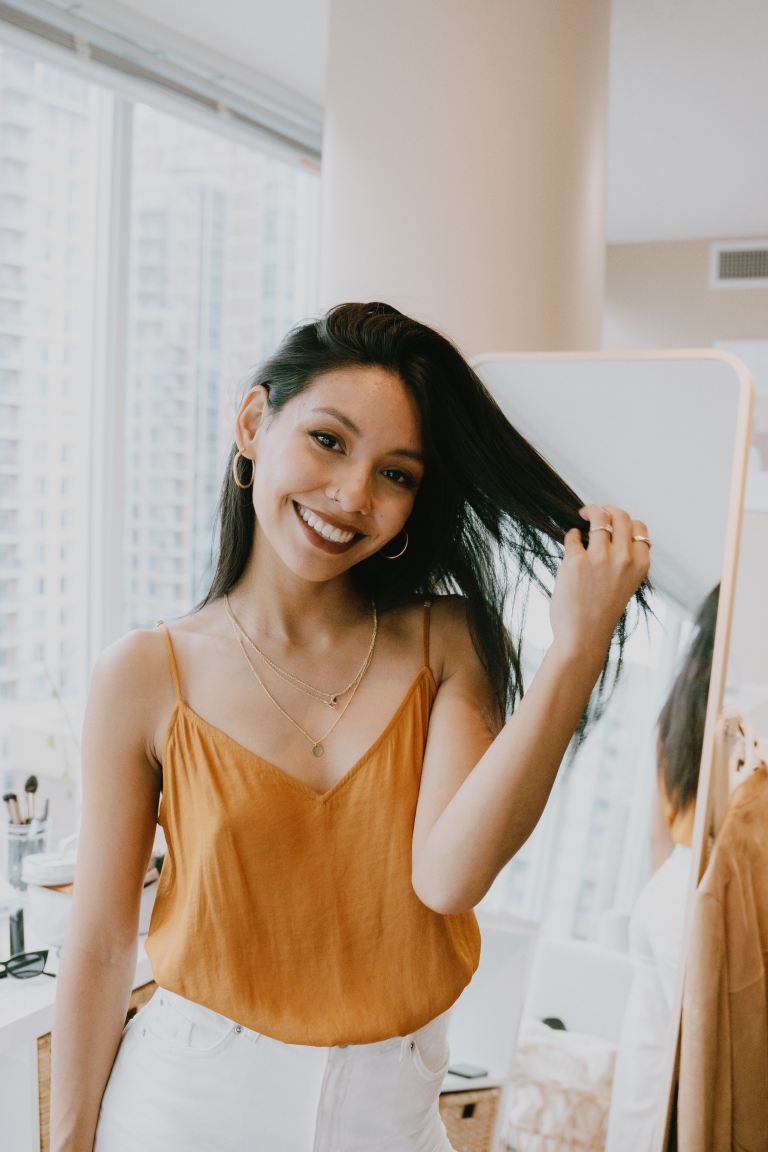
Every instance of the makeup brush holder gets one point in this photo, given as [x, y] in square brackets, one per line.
[18, 841]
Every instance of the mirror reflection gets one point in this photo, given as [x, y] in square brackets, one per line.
[595, 901]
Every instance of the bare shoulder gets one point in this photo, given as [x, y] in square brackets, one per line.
[451, 638]
[446, 622]
[462, 675]
[131, 678]
[131, 663]
[138, 662]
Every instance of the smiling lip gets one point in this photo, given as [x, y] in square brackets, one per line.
[334, 547]
[332, 520]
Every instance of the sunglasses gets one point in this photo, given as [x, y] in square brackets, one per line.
[26, 965]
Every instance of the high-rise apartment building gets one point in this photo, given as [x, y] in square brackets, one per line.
[223, 243]
[214, 285]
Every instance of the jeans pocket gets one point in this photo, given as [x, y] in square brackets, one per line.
[187, 1029]
[430, 1049]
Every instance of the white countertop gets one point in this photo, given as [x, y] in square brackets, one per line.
[26, 1006]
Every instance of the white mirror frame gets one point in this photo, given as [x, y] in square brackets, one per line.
[707, 787]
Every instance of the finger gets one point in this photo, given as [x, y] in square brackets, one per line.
[640, 528]
[622, 530]
[573, 542]
[599, 518]
[634, 528]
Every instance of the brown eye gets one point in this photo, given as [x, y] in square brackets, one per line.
[401, 478]
[325, 439]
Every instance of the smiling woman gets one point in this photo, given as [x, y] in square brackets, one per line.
[329, 736]
[478, 486]
[335, 457]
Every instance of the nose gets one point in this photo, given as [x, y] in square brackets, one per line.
[351, 490]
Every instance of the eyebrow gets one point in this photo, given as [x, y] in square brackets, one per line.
[345, 420]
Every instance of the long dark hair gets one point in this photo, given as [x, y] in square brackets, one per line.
[680, 726]
[490, 515]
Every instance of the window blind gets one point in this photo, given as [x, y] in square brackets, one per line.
[149, 53]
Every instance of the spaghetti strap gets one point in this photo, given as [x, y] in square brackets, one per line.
[172, 658]
[427, 606]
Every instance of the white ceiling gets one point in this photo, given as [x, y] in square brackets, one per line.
[688, 100]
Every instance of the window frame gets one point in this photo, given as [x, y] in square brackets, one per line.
[119, 93]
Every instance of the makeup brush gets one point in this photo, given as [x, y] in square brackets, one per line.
[13, 807]
[31, 787]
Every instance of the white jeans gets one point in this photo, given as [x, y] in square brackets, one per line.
[187, 1079]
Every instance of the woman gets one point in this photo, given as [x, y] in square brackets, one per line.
[339, 785]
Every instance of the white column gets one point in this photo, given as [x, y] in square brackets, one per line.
[464, 166]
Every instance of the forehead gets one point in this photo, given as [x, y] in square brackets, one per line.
[373, 398]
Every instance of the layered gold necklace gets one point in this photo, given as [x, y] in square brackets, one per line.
[329, 698]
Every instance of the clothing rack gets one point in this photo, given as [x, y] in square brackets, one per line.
[738, 752]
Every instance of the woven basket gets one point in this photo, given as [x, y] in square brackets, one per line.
[470, 1118]
[552, 1117]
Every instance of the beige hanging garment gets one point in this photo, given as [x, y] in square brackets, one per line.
[723, 1083]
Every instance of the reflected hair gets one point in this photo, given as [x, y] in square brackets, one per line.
[490, 515]
[680, 725]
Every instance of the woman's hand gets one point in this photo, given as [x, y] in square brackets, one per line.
[594, 584]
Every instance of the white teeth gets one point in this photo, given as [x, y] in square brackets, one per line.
[327, 531]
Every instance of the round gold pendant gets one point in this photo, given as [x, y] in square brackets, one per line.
[317, 750]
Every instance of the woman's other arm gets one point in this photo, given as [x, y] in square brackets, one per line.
[120, 789]
[481, 797]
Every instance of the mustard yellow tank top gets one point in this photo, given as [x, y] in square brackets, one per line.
[292, 911]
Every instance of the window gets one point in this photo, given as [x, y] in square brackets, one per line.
[201, 311]
[197, 245]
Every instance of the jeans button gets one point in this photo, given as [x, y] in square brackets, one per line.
[238, 1028]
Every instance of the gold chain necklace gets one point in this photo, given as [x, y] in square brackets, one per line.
[329, 698]
[317, 745]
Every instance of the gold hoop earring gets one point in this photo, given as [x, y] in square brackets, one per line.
[238, 454]
[397, 555]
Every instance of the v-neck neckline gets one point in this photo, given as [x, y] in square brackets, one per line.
[293, 781]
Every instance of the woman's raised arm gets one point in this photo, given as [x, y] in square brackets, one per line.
[480, 798]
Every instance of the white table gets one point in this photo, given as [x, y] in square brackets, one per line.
[26, 1013]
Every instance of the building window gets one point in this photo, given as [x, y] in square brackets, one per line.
[196, 321]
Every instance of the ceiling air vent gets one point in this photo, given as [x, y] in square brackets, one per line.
[739, 265]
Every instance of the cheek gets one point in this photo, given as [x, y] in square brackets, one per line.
[395, 508]
[284, 469]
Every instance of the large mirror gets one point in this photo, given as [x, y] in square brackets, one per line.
[574, 1011]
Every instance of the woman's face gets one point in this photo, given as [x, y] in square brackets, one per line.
[337, 468]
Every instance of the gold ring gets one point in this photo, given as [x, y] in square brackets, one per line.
[603, 528]
[644, 539]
